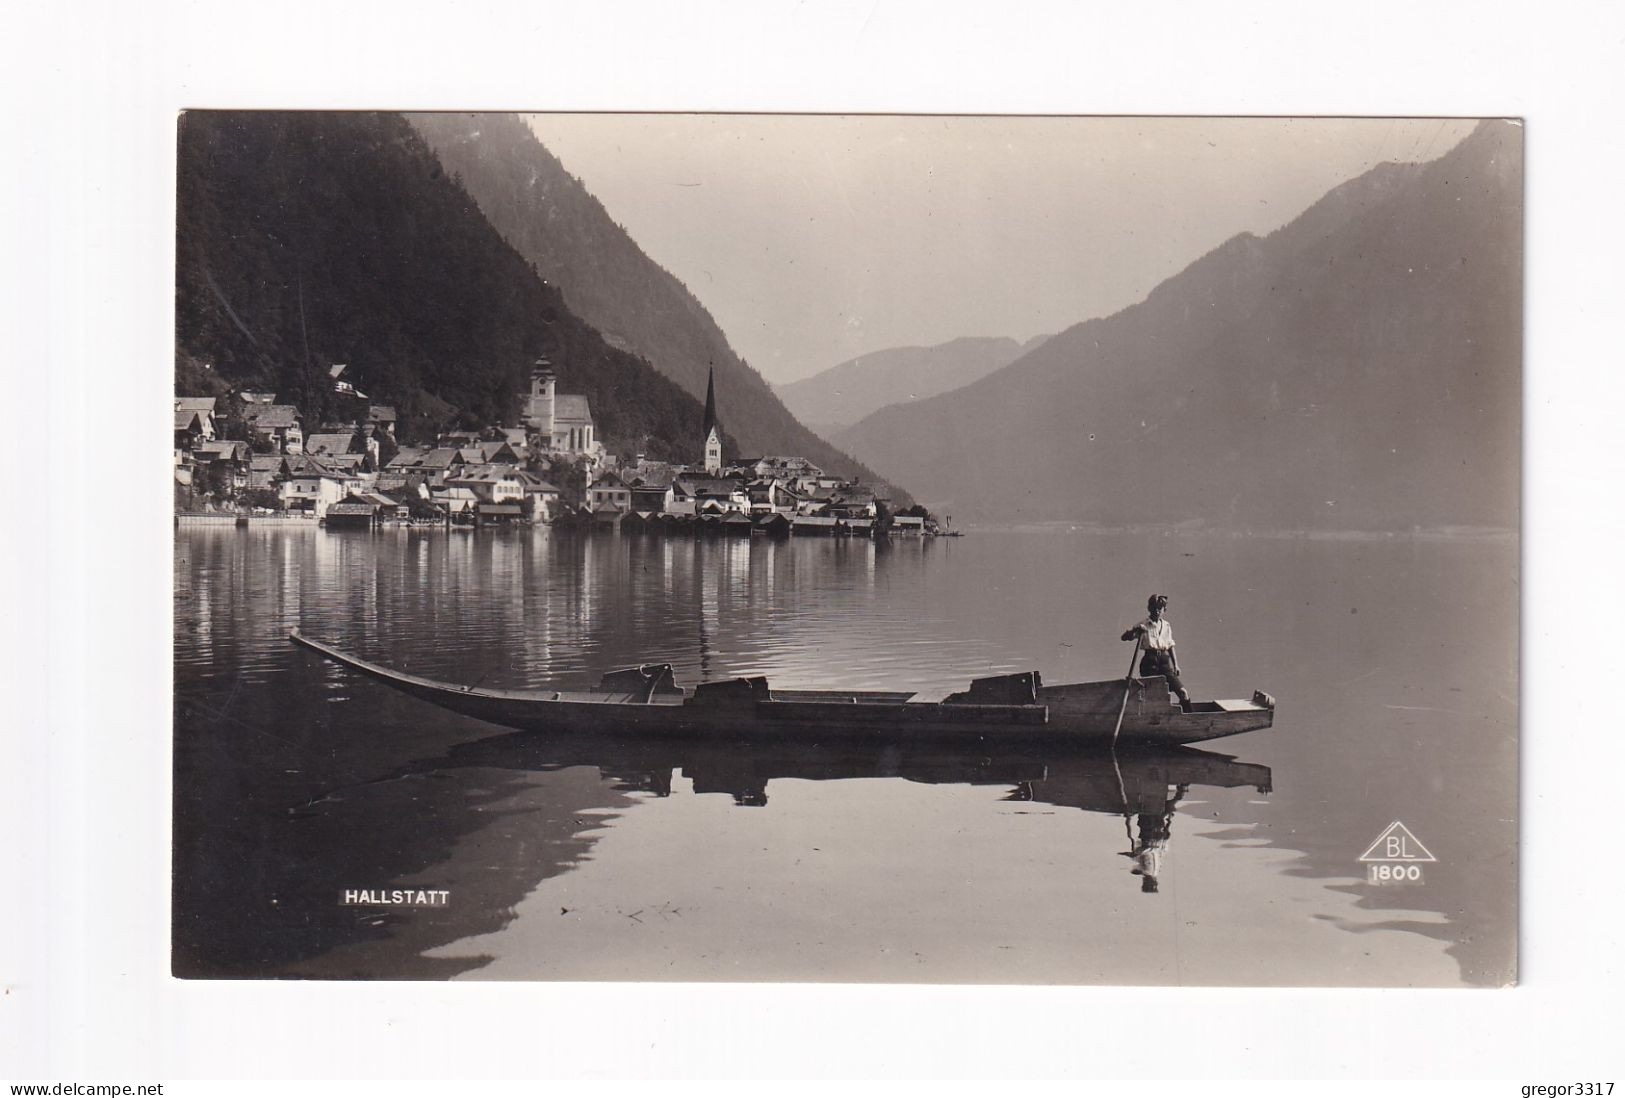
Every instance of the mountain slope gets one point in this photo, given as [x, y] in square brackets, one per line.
[844, 394]
[1357, 369]
[556, 224]
[307, 239]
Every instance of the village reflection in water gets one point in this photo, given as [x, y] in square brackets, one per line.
[546, 607]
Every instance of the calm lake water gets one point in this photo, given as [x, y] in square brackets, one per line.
[1394, 663]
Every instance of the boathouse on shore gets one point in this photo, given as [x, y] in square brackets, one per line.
[774, 525]
[505, 513]
[813, 525]
[351, 515]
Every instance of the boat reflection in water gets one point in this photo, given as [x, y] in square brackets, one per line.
[1144, 788]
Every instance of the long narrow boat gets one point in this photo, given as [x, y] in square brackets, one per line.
[1002, 708]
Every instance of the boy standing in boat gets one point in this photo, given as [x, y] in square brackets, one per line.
[1156, 637]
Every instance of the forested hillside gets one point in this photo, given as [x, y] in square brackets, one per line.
[308, 239]
[556, 224]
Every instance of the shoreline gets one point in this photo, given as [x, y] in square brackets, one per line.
[1440, 533]
[1488, 535]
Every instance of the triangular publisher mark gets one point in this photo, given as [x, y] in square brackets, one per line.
[1397, 844]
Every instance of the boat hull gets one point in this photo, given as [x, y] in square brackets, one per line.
[1073, 713]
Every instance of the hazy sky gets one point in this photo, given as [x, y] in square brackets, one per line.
[813, 239]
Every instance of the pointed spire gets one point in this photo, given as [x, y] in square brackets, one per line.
[710, 402]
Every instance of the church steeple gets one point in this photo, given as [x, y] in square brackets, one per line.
[710, 402]
[712, 431]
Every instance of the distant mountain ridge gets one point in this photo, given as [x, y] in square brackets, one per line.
[305, 239]
[1359, 368]
[552, 220]
[844, 394]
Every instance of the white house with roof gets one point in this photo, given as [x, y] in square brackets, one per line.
[194, 425]
[489, 483]
[227, 456]
[277, 424]
[609, 491]
[437, 465]
[496, 452]
[704, 494]
[341, 384]
[454, 500]
[786, 467]
[264, 470]
[203, 408]
[653, 494]
[404, 458]
[188, 433]
[545, 499]
[333, 442]
[853, 501]
[771, 495]
[313, 486]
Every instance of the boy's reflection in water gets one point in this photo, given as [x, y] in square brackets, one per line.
[1151, 845]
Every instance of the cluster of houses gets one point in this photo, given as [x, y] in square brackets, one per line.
[355, 473]
[778, 495]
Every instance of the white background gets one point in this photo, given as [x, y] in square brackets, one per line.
[92, 92]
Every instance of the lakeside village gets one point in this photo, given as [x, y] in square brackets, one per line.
[548, 469]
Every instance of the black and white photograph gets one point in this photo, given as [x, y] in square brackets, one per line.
[759, 545]
[855, 548]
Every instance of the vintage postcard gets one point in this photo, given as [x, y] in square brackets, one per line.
[913, 549]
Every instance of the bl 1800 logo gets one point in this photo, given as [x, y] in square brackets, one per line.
[1396, 857]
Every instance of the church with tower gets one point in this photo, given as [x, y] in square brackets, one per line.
[557, 423]
[712, 456]
[562, 423]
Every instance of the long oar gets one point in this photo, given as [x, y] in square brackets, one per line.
[1128, 684]
[1122, 790]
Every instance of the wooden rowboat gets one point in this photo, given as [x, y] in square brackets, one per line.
[1002, 708]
